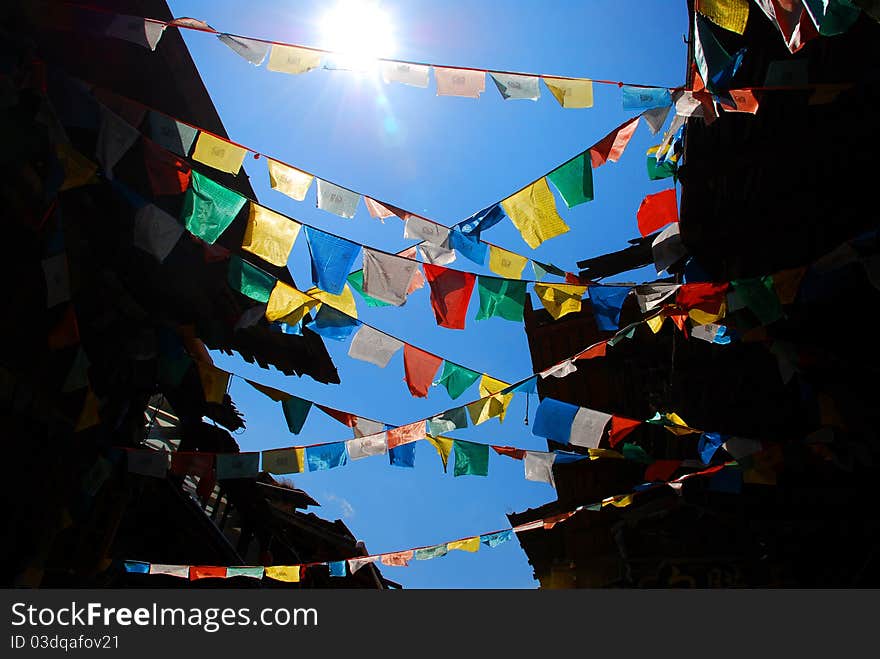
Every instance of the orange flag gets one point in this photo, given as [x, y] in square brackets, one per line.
[612, 145]
[620, 428]
[420, 367]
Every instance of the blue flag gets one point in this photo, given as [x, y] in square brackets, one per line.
[553, 420]
[482, 220]
[469, 247]
[645, 98]
[326, 456]
[332, 324]
[607, 303]
[403, 455]
[332, 259]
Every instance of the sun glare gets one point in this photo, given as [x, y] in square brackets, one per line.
[358, 32]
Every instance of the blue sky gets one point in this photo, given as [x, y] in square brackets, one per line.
[446, 158]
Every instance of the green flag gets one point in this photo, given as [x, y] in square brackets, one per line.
[760, 297]
[356, 279]
[665, 170]
[249, 280]
[456, 378]
[295, 411]
[636, 453]
[501, 297]
[448, 421]
[209, 208]
[471, 459]
[574, 180]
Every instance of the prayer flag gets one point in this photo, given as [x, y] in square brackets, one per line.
[468, 246]
[588, 427]
[574, 180]
[506, 264]
[296, 410]
[170, 134]
[371, 345]
[448, 421]
[560, 299]
[607, 302]
[288, 180]
[168, 173]
[250, 49]
[611, 146]
[436, 255]
[469, 544]
[403, 456]
[492, 403]
[364, 427]
[481, 220]
[554, 419]
[427, 553]
[420, 367]
[291, 59]
[148, 462]
[471, 459]
[397, 559]
[369, 445]
[620, 428]
[219, 153]
[332, 324]
[560, 370]
[656, 117]
[270, 235]
[284, 461]
[412, 432]
[571, 92]
[376, 209]
[538, 466]
[343, 302]
[208, 208]
[759, 296]
[214, 382]
[355, 564]
[715, 65]
[245, 571]
[115, 138]
[387, 277]
[729, 14]
[332, 259]
[237, 465]
[513, 86]
[249, 280]
[337, 200]
[533, 212]
[657, 171]
[137, 30]
[181, 571]
[443, 445]
[287, 304]
[645, 98]
[657, 210]
[422, 229]
[288, 573]
[667, 248]
[501, 297]
[456, 379]
[450, 294]
[326, 456]
[337, 568]
[206, 572]
[459, 82]
[492, 540]
[415, 75]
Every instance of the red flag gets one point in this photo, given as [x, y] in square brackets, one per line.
[620, 428]
[192, 462]
[206, 572]
[661, 470]
[703, 295]
[597, 350]
[344, 418]
[510, 452]
[612, 145]
[657, 210]
[420, 367]
[168, 173]
[450, 294]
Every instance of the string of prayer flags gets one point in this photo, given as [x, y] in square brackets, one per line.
[387, 277]
[513, 86]
[538, 466]
[560, 299]
[337, 200]
[415, 75]
[420, 367]
[287, 304]
[504, 298]
[326, 456]
[456, 379]
[607, 302]
[293, 60]
[371, 345]
[730, 14]
[218, 153]
[450, 294]
[611, 146]
[459, 82]
[250, 49]
[506, 264]
[332, 259]
[645, 98]
[209, 208]
[470, 459]
[533, 212]
[657, 210]
[571, 92]
[288, 180]
[249, 280]
[284, 461]
[574, 180]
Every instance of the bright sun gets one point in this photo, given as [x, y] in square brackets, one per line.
[359, 31]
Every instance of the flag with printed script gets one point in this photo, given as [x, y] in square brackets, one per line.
[326, 456]
[415, 75]
[588, 427]
[533, 212]
[287, 304]
[450, 294]
[607, 302]
[337, 200]
[208, 208]
[538, 466]
[250, 49]
[645, 98]
[249, 280]
[468, 246]
[481, 220]
[422, 229]
[218, 153]
[514, 86]
[367, 446]
[288, 180]
[419, 368]
[730, 14]
[170, 134]
[332, 259]
[294, 60]
[371, 345]
[560, 299]
[270, 235]
[459, 82]
[501, 297]
[506, 264]
[411, 432]
[387, 277]
[571, 92]
[574, 180]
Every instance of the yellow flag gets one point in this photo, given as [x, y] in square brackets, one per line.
[214, 382]
[275, 394]
[218, 153]
[597, 453]
[443, 446]
[656, 323]
[78, 170]
[471, 544]
[560, 299]
[730, 14]
[488, 408]
[288, 304]
[289, 180]
[701, 317]
[621, 502]
[288, 573]
[533, 212]
[571, 92]
[507, 264]
[290, 59]
[680, 427]
[270, 235]
[343, 302]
